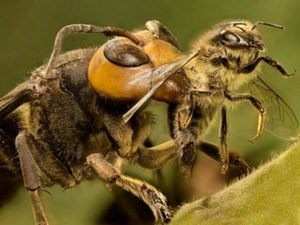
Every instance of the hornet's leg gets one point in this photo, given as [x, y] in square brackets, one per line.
[127, 137]
[31, 176]
[152, 197]
[157, 156]
[141, 124]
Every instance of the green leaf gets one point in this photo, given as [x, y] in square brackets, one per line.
[270, 195]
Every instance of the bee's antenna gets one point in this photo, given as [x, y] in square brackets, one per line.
[267, 24]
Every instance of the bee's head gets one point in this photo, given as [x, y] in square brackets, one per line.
[239, 35]
[237, 43]
[235, 35]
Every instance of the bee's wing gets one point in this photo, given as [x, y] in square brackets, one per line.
[281, 121]
[21, 94]
[156, 76]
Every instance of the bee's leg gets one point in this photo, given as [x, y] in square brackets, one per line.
[212, 151]
[152, 197]
[185, 127]
[31, 176]
[224, 156]
[257, 104]
[186, 158]
[268, 60]
[83, 28]
[156, 156]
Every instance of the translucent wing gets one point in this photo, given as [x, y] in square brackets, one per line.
[158, 76]
[281, 121]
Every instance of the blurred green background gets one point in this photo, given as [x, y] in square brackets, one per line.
[27, 31]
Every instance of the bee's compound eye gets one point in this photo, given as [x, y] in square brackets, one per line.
[230, 38]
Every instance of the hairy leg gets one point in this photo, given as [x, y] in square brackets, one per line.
[151, 196]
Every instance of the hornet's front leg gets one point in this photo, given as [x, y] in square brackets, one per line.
[127, 137]
[157, 156]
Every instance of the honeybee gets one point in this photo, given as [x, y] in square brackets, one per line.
[222, 60]
[68, 121]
